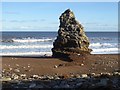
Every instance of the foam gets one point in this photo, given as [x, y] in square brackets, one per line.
[24, 40]
[105, 51]
[25, 46]
[27, 54]
[102, 44]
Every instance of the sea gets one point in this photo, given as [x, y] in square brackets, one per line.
[41, 43]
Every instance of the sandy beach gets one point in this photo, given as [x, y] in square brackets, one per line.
[48, 72]
[52, 66]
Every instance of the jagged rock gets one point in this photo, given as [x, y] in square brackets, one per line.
[71, 37]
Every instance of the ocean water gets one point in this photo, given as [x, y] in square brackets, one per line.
[40, 43]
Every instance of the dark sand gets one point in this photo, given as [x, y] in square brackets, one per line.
[51, 66]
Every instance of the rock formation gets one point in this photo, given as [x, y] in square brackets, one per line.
[71, 37]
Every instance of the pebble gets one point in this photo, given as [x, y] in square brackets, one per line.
[17, 65]
[9, 65]
[77, 76]
[35, 76]
[39, 86]
[16, 70]
[50, 77]
[14, 76]
[103, 82]
[32, 85]
[104, 68]
[82, 64]
[116, 73]
[75, 80]
[56, 78]
[55, 66]
[28, 66]
[6, 79]
[10, 69]
[84, 75]
[23, 75]
[78, 84]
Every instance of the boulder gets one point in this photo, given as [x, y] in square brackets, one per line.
[71, 37]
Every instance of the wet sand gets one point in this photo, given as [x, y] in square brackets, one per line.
[91, 72]
[52, 66]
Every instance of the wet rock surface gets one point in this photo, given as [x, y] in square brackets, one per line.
[71, 37]
[84, 81]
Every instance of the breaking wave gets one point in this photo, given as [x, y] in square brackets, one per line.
[96, 45]
[27, 54]
[26, 40]
[25, 46]
[106, 51]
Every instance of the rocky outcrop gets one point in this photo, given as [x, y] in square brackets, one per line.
[71, 37]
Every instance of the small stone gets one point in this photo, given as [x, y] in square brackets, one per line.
[56, 86]
[50, 77]
[17, 65]
[35, 76]
[6, 79]
[66, 86]
[84, 75]
[39, 86]
[79, 84]
[23, 75]
[56, 78]
[104, 68]
[77, 76]
[116, 73]
[14, 76]
[82, 64]
[17, 70]
[103, 82]
[61, 65]
[10, 69]
[9, 65]
[55, 66]
[32, 85]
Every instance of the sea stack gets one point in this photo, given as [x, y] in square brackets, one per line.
[71, 37]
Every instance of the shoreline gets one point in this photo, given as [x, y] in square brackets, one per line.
[39, 69]
[98, 61]
[50, 56]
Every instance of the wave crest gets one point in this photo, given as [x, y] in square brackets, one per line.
[27, 40]
[25, 46]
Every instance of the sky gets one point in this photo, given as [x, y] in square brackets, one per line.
[44, 16]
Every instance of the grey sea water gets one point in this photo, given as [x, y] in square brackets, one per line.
[40, 43]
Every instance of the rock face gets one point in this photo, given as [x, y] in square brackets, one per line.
[71, 36]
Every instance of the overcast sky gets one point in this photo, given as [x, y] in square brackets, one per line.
[39, 16]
